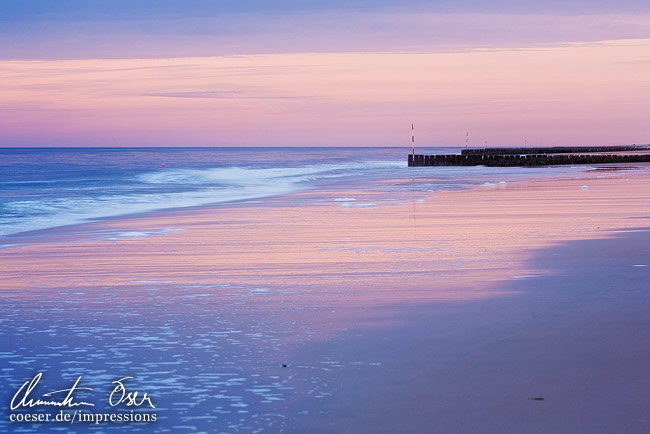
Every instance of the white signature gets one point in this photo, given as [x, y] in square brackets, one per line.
[22, 399]
[120, 395]
[127, 398]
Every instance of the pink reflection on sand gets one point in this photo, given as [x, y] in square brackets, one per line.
[451, 247]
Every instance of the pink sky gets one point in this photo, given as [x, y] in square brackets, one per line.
[551, 93]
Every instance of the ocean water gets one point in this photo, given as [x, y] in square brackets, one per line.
[46, 188]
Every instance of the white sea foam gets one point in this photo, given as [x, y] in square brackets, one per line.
[199, 187]
[247, 176]
[525, 276]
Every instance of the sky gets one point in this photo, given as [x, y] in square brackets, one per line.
[324, 73]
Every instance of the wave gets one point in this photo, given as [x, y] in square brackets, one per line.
[235, 175]
[173, 188]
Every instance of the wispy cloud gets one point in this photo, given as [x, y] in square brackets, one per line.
[323, 31]
[220, 94]
[564, 93]
[223, 94]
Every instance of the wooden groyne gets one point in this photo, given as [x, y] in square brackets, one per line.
[554, 150]
[497, 157]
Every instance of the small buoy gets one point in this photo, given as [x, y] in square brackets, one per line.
[163, 165]
[284, 365]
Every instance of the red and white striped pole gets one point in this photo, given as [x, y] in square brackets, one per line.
[413, 139]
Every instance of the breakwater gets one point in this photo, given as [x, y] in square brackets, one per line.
[554, 150]
[500, 157]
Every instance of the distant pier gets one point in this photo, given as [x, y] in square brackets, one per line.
[551, 156]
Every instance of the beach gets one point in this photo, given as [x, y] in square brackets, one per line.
[324, 217]
[494, 307]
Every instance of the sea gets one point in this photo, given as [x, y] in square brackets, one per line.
[44, 188]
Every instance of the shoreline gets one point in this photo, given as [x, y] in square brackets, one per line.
[53, 232]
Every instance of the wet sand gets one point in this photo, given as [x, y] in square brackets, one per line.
[444, 315]
[567, 352]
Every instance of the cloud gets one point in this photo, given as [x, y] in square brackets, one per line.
[323, 31]
[99, 10]
[223, 94]
[561, 92]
